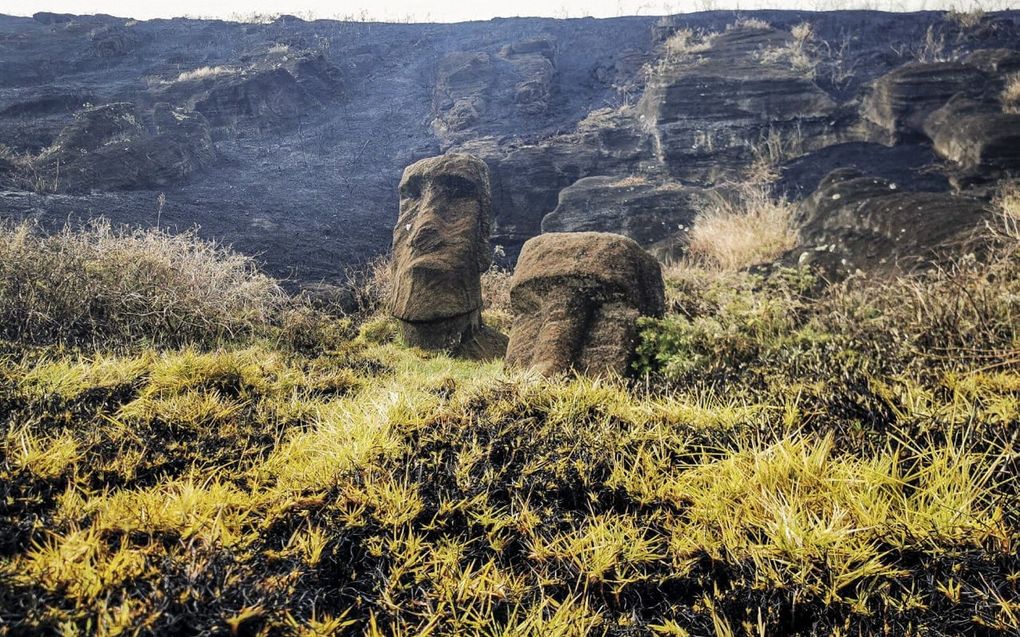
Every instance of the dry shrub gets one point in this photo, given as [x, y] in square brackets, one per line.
[1007, 203]
[370, 284]
[742, 228]
[118, 286]
[966, 20]
[496, 298]
[934, 47]
[204, 72]
[800, 54]
[685, 43]
[771, 151]
[1011, 94]
[749, 23]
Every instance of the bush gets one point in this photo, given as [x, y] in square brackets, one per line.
[800, 53]
[1011, 94]
[737, 325]
[120, 286]
[496, 298]
[743, 228]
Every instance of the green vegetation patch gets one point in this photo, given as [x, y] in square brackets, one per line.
[788, 459]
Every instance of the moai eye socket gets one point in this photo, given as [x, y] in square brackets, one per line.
[411, 189]
[456, 187]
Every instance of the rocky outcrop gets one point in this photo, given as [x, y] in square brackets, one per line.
[867, 223]
[476, 89]
[908, 164]
[109, 148]
[269, 94]
[440, 249]
[995, 61]
[527, 178]
[900, 101]
[645, 210]
[709, 107]
[982, 142]
[576, 298]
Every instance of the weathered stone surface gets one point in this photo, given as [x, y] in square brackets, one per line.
[906, 164]
[872, 225]
[576, 298]
[270, 93]
[476, 89]
[996, 61]
[707, 112]
[440, 249]
[109, 148]
[900, 101]
[637, 207]
[981, 140]
[527, 178]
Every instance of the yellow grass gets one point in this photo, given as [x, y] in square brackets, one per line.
[743, 229]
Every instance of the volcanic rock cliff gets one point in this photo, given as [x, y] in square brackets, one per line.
[288, 139]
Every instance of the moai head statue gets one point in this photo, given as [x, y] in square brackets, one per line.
[440, 249]
[576, 298]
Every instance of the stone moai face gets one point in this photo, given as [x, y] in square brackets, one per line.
[440, 249]
[576, 298]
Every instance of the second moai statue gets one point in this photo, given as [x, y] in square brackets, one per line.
[440, 250]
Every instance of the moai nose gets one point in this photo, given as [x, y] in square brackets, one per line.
[559, 338]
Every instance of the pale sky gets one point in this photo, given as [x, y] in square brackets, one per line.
[458, 10]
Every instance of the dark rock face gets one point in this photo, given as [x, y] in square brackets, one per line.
[269, 94]
[995, 61]
[108, 148]
[477, 89]
[706, 112]
[440, 249]
[527, 179]
[900, 101]
[636, 207]
[909, 165]
[576, 298]
[982, 141]
[312, 122]
[868, 223]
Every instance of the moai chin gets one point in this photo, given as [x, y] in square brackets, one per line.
[440, 250]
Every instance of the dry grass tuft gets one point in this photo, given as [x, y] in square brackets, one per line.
[104, 284]
[1011, 94]
[756, 24]
[1007, 202]
[685, 44]
[966, 20]
[370, 284]
[801, 53]
[205, 72]
[743, 228]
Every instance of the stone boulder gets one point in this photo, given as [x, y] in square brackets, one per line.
[440, 249]
[643, 209]
[576, 298]
[900, 101]
[871, 224]
[109, 148]
[982, 142]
